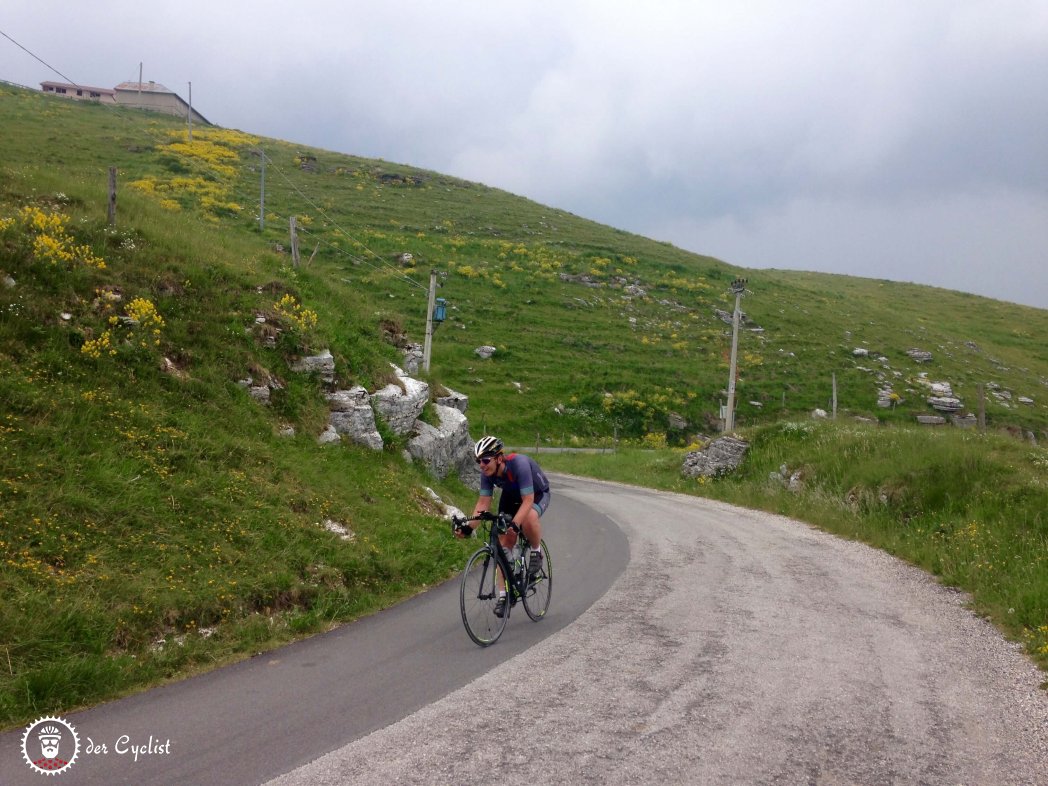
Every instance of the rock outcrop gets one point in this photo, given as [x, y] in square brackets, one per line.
[447, 448]
[401, 404]
[352, 417]
[443, 449]
[720, 457]
[323, 365]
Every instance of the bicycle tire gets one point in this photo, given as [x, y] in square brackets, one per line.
[539, 589]
[478, 594]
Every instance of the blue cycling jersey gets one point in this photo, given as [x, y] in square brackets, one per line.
[522, 476]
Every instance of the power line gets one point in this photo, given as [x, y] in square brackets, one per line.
[33, 55]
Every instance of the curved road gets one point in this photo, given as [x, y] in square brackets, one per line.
[262, 717]
[735, 648]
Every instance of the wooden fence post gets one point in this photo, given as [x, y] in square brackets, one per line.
[294, 243]
[111, 210]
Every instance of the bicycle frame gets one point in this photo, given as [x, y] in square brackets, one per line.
[481, 586]
[516, 584]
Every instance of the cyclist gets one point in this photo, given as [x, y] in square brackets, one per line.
[525, 496]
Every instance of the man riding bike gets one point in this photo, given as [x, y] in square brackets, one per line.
[525, 496]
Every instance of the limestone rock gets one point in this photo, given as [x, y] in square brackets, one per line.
[449, 511]
[352, 416]
[718, 458]
[446, 449]
[931, 420]
[323, 365]
[329, 436]
[948, 404]
[453, 399]
[412, 358]
[400, 405]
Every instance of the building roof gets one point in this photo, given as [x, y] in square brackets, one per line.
[145, 87]
[71, 86]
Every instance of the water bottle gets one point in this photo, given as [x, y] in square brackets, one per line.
[516, 560]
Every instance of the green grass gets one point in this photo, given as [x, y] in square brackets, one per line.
[144, 496]
[970, 508]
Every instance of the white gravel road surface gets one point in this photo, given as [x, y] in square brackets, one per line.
[737, 648]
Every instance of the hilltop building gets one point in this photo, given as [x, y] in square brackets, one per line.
[136, 95]
[80, 92]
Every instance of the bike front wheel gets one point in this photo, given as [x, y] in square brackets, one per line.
[478, 594]
[540, 588]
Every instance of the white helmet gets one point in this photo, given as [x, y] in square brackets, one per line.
[487, 446]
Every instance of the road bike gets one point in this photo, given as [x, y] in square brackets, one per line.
[485, 574]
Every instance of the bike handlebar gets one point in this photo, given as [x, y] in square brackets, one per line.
[502, 521]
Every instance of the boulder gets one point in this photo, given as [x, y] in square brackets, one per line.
[352, 416]
[949, 404]
[400, 405]
[931, 420]
[329, 436]
[791, 481]
[447, 448]
[718, 458]
[455, 400]
[412, 358]
[449, 511]
[485, 352]
[323, 365]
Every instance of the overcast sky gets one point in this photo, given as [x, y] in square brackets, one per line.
[898, 139]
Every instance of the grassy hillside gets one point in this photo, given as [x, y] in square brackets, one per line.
[152, 513]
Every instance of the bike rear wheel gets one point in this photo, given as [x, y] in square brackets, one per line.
[478, 594]
[539, 588]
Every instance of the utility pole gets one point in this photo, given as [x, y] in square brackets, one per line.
[427, 348]
[738, 286]
[189, 117]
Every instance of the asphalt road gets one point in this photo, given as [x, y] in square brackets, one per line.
[736, 648]
[265, 716]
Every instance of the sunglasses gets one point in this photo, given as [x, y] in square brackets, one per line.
[486, 460]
